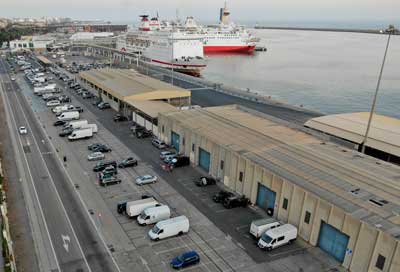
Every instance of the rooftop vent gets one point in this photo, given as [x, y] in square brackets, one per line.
[323, 143]
[344, 150]
[379, 203]
[355, 191]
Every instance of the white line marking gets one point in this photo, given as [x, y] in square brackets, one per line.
[33, 184]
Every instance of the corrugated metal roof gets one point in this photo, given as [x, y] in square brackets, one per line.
[338, 175]
[123, 83]
[384, 133]
[151, 108]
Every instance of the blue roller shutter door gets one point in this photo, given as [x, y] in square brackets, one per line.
[175, 141]
[333, 241]
[204, 159]
[266, 199]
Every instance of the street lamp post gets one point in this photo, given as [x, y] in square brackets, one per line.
[390, 30]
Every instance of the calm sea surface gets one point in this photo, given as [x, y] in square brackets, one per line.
[325, 71]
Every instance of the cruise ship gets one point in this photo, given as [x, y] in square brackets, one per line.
[164, 47]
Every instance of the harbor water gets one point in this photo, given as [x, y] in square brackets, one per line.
[330, 72]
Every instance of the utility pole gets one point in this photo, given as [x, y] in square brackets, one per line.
[391, 31]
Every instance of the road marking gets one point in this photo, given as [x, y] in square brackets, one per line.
[11, 114]
[66, 241]
[52, 183]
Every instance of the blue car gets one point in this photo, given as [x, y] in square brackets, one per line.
[186, 259]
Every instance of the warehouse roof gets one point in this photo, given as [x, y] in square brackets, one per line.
[44, 60]
[151, 108]
[384, 134]
[360, 185]
[122, 83]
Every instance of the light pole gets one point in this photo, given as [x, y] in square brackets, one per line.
[391, 31]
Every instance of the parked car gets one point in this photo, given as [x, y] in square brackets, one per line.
[22, 130]
[235, 201]
[205, 180]
[104, 105]
[136, 127]
[120, 118]
[129, 162]
[102, 148]
[159, 143]
[53, 103]
[64, 99]
[78, 109]
[146, 179]
[96, 102]
[109, 181]
[178, 161]
[186, 259]
[109, 170]
[165, 154]
[12, 78]
[60, 123]
[87, 95]
[96, 156]
[221, 196]
[93, 146]
[279, 236]
[143, 134]
[66, 132]
[100, 166]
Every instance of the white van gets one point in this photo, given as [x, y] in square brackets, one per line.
[69, 115]
[277, 237]
[258, 227]
[170, 227]
[153, 215]
[76, 124]
[91, 126]
[80, 134]
[134, 208]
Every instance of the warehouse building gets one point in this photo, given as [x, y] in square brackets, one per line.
[344, 202]
[120, 87]
[383, 139]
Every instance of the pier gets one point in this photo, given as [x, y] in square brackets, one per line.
[353, 30]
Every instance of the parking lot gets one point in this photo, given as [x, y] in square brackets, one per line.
[219, 235]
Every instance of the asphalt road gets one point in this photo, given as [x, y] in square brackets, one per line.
[73, 239]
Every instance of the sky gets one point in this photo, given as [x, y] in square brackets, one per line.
[207, 10]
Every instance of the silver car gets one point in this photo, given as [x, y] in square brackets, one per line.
[146, 179]
[96, 156]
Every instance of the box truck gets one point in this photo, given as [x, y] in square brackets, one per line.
[80, 134]
[93, 127]
[153, 215]
[134, 208]
[69, 115]
[39, 90]
[170, 227]
[258, 227]
[76, 124]
[277, 237]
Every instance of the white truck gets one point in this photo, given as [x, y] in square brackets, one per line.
[93, 127]
[134, 208]
[258, 227]
[277, 237]
[39, 90]
[69, 115]
[79, 134]
[76, 124]
[153, 215]
[170, 227]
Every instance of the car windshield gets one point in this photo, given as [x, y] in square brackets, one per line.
[143, 215]
[181, 258]
[146, 177]
[266, 238]
[155, 229]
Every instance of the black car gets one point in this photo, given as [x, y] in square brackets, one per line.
[104, 105]
[92, 146]
[235, 201]
[66, 132]
[78, 109]
[60, 123]
[221, 196]
[102, 149]
[179, 161]
[129, 162]
[100, 166]
[205, 180]
[140, 134]
[120, 118]
[96, 102]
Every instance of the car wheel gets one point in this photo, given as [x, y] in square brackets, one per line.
[157, 239]
[180, 233]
